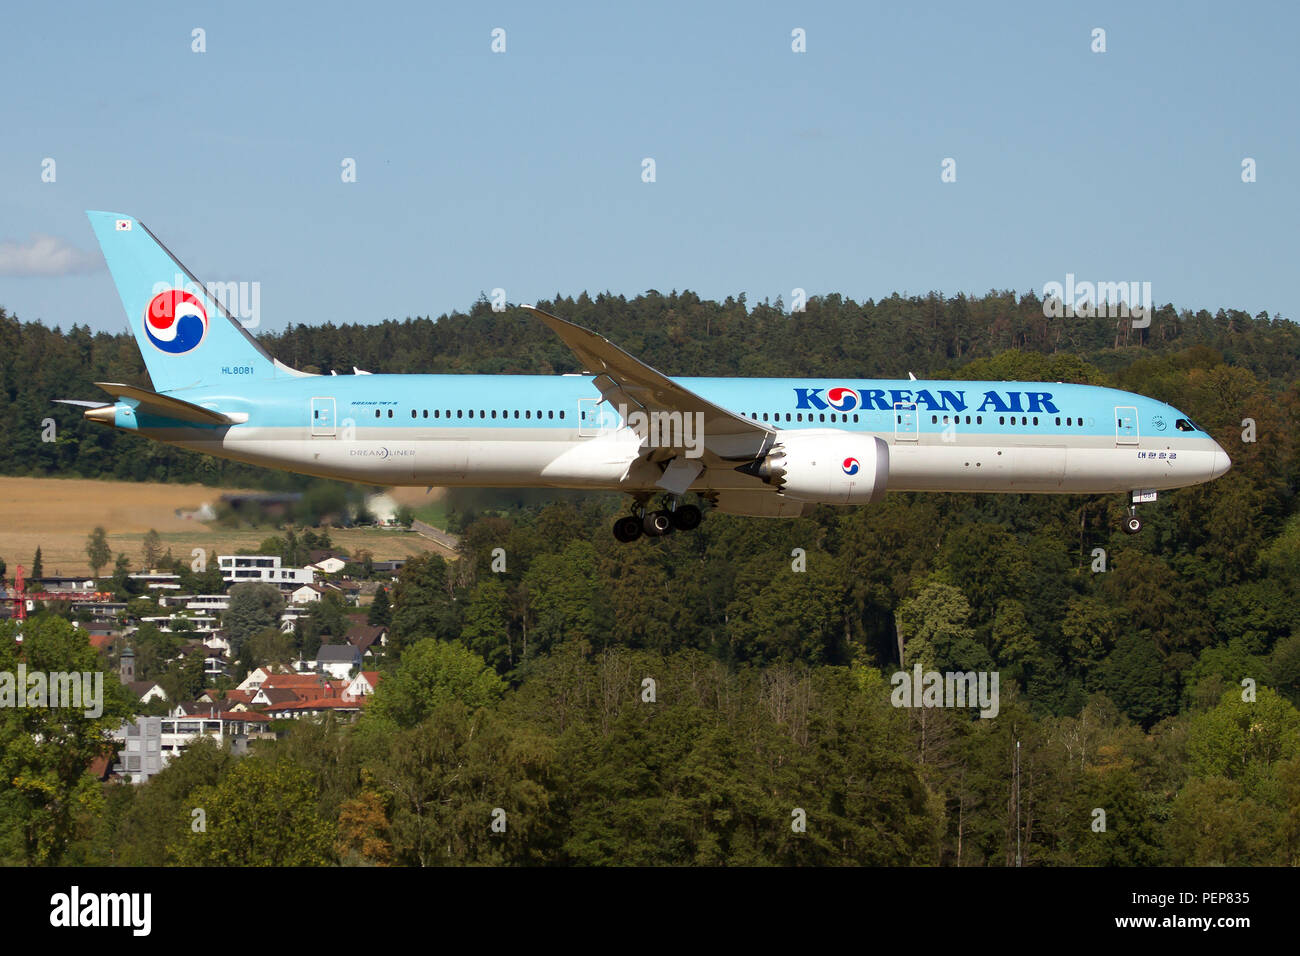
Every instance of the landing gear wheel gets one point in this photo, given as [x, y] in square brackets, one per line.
[686, 518]
[1132, 524]
[657, 523]
[627, 528]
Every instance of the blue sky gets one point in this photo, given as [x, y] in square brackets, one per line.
[774, 169]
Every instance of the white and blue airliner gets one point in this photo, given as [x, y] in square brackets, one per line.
[771, 447]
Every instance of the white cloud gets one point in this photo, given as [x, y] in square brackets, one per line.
[45, 256]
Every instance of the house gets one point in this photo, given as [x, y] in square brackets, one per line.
[313, 708]
[232, 699]
[306, 593]
[258, 675]
[278, 688]
[363, 685]
[367, 638]
[146, 690]
[267, 698]
[338, 660]
[326, 562]
[305, 686]
[242, 568]
[291, 615]
[157, 580]
[216, 641]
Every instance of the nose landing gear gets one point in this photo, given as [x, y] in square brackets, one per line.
[1133, 524]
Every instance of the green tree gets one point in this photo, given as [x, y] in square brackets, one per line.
[486, 630]
[429, 673]
[380, 610]
[934, 623]
[160, 821]
[254, 606]
[151, 549]
[97, 550]
[46, 791]
[261, 813]
[38, 569]
[423, 606]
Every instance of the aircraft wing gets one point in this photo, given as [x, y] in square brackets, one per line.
[625, 380]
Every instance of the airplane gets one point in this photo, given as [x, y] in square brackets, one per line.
[766, 447]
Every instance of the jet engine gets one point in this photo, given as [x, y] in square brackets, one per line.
[825, 465]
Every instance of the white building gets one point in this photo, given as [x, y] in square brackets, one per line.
[150, 742]
[242, 568]
[305, 594]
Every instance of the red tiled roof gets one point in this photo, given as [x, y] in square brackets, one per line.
[323, 703]
[292, 680]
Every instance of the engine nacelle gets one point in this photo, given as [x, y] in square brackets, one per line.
[825, 465]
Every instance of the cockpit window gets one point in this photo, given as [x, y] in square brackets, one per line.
[1184, 425]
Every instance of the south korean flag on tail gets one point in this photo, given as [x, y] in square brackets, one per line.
[124, 225]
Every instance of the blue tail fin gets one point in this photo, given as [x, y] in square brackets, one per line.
[185, 334]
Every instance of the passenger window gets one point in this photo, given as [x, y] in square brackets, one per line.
[1035, 419]
[376, 413]
[494, 413]
[821, 417]
[979, 419]
[855, 417]
[1002, 419]
[561, 414]
[550, 413]
[390, 413]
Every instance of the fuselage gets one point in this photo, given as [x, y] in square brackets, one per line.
[554, 431]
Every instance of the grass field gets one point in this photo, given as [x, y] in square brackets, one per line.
[58, 514]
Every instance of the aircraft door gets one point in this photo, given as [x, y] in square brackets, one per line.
[905, 421]
[591, 420]
[322, 418]
[1126, 425]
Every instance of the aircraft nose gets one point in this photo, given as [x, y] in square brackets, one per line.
[1221, 462]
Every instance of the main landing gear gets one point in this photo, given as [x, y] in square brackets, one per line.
[656, 523]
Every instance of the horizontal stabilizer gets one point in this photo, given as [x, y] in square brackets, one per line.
[164, 406]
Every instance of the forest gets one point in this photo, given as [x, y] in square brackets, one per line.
[699, 699]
